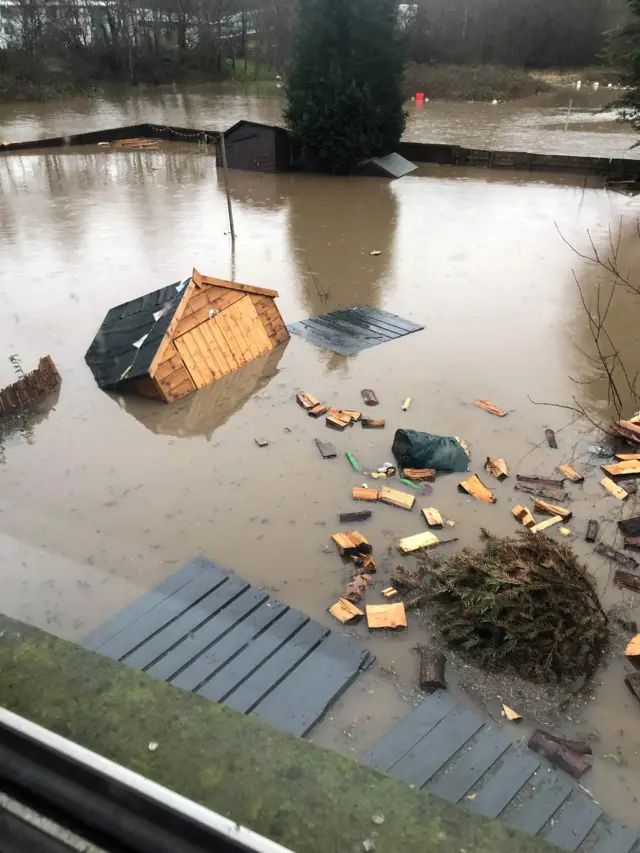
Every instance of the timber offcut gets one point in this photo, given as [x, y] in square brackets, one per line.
[210, 632]
[179, 338]
[30, 388]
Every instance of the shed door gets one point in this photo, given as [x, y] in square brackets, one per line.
[223, 343]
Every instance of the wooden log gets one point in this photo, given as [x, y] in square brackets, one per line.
[627, 580]
[261, 442]
[614, 489]
[348, 517]
[628, 468]
[570, 473]
[420, 474]
[542, 492]
[617, 557]
[345, 611]
[327, 450]
[523, 514]
[364, 562]
[628, 435]
[357, 587]
[351, 543]
[476, 488]
[552, 509]
[431, 672]
[632, 543]
[372, 423]
[335, 423]
[307, 401]
[432, 517]
[632, 680]
[406, 404]
[551, 438]
[579, 746]
[592, 530]
[386, 616]
[317, 412]
[545, 482]
[630, 526]
[497, 468]
[545, 525]
[361, 494]
[489, 407]
[369, 397]
[559, 754]
[416, 543]
[396, 498]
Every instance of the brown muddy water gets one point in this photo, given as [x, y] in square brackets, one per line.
[105, 496]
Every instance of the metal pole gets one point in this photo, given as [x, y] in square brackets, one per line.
[226, 186]
[568, 114]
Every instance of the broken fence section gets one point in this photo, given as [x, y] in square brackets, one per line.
[30, 388]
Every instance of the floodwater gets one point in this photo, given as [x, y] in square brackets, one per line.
[105, 496]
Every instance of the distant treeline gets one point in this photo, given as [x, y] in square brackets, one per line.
[80, 42]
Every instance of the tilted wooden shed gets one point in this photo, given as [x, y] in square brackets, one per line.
[256, 147]
[184, 336]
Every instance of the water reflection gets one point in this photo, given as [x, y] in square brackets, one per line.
[20, 427]
[201, 413]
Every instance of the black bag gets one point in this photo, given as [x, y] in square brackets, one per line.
[414, 449]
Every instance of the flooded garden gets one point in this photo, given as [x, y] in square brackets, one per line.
[105, 495]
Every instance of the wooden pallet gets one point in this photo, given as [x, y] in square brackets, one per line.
[208, 631]
[449, 750]
[353, 329]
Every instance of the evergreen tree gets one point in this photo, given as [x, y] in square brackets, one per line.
[623, 53]
[345, 84]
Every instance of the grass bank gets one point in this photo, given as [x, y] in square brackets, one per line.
[472, 82]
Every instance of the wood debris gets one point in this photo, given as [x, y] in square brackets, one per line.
[632, 543]
[632, 651]
[415, 543]
[386, 615]
[336, 423]
[432, 517]
[628, 430]
[317, 411]
[497, 468]
[523, 514]
[542, 492]
[364, 562]
[630, 526]
[340, 415]
[351, 543]
[432, 666]
[406, 404]
[552, 509]
[592, 530]
[545, 525]
[570, 473]
[326, 449]
[261, 442]
[489, 407]
[389, 592]
[307, 401]
[559, 752]
[357, 588]
[30, 388]
[551, 438]
[369, 397]
[626, 457]
[633, 683]
[614, 489]
[372, 423]
[345, 611]
[546, 482]
[617, 557]
[396, 498]
[476, 488]
[359, 493]
[628, 468]
[364, 515]
[420, 474]
[138, 143]
[627, 579]
[510, 714]
[352, 414]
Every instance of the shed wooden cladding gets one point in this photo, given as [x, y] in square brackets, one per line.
[185, 336]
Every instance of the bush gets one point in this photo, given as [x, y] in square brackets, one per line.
[471, 82]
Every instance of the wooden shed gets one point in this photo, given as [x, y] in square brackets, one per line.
[184, 336]
[256, 147]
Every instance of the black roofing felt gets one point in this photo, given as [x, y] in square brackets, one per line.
[113, 350]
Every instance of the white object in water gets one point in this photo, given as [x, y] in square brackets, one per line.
[494, 101]
[596, 85]
[610, 86]
[578, 84]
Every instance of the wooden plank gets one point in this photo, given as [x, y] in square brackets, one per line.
[546, 482]
[386, 616]
[489, 407]
[234, 285]
[627, 580]
[571, 473]
[185, 387]
[137, 633]
[362, 494]
[190, 363]
[267, 676]
[207, 354]
[420, 474]
[225, 357]
[304, 696]
[476, 488]
[408, 732]
[611, 554]
[415, 543]
[210, 300]
[233, 340]
[627, 468]
[200, 357]
[372, 423]
[454, 784]
[574, 824]
[545, 525]
[523, 514]
[613, 489]
[548, 795]
[327, 450]
[396, 498]
[625, 457]
[552, 509]
[433, 751]
[177, 631]
[230, 643]
[240, 667]
[148, 602]
[542, 492]
[168, 367]
[217, 362]
[198, 640]
[433, 517]
[495, 795]
[615, 838]
[252, 325]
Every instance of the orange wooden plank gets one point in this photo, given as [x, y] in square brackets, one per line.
[251, 324]
[224, 354]
[234, 285]
[187, 357]
[233, 337]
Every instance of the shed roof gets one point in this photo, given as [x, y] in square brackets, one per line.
[130, 335]
[393, 165]
[255, 124]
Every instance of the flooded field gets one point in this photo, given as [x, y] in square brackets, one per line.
[105, 496]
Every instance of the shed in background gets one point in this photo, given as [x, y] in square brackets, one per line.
[256, 147]
[390, 166]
